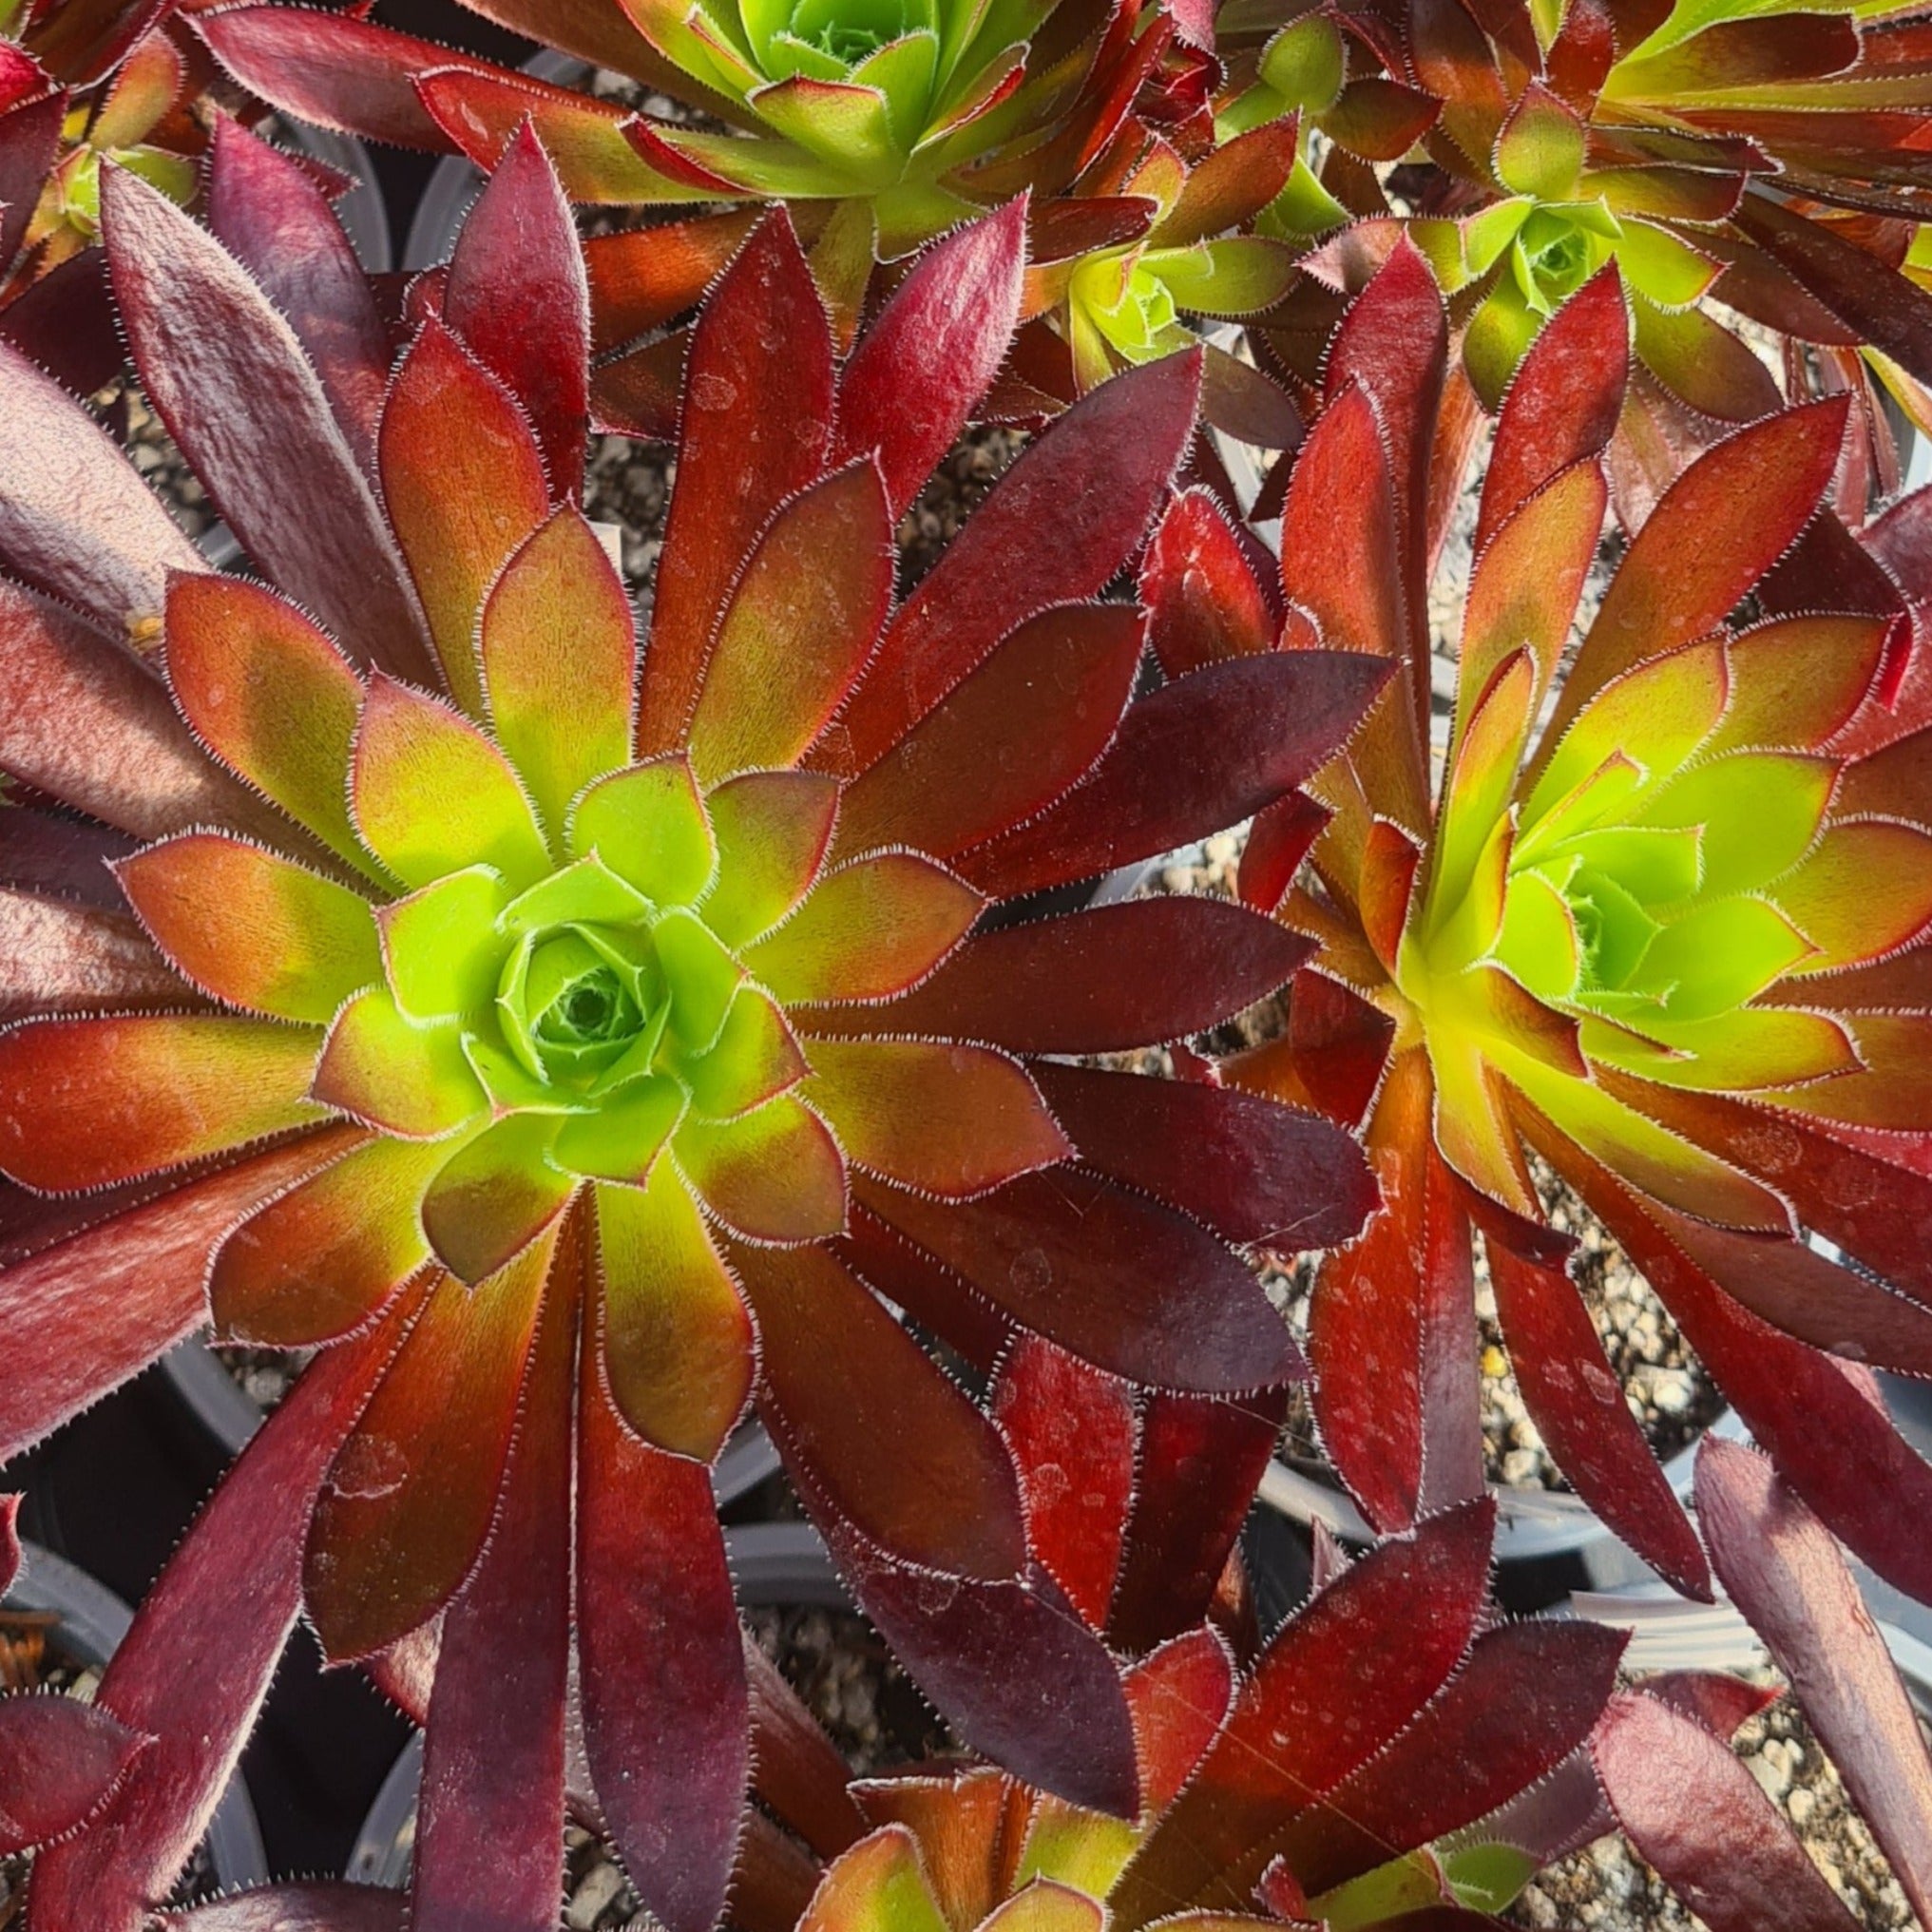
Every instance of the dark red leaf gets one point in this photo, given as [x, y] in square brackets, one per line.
[1122, 1282]
[1202, 598]
[64, 323]
[270, 215]
[665, 1704]
[516, 294]
[30, 140]
[197, 1663]
[1526, 1697]
[1018, 1675]
[1200, 754]
[798, 1772]
[318, 1905]
[1784, 1571]
[1390, 1333]
[1252, 1169]
[1072, 1429]
[761, 353]
[1563, 402]
[1337, 1683]
[842, 1380]
[145, 1266]
[921, 368]
[62, 858]
[1578, 1405]
[1698, 1817]
[1278, 841]
[1104, 980]
[227, 375]
[489, 1819]
[1056, 528]
[60, 1760]
[90, 724]
[1193, 1482]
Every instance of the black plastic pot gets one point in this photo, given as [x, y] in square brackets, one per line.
[774, 1563]
[92, 1621]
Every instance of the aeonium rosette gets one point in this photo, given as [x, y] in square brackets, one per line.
[571, 1044]
[1373, 1761]
[1662, 920]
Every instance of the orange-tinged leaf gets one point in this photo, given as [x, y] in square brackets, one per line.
[1864, 889]
[879, 1885]
[801, 626]
[87, 1103]
[464, 486]
[1796, 681]
[495, 1195]
[947, 1118]
[560, 665]
[773, 1174]
[317, 1261]
[677, 1342]
[431, 795]
[408, 1501]
[252, 928]
[866, 931]
[270, 696]
[773, 829]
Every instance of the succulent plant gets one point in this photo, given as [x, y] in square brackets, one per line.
[1663, 922]
[881, 124]
[84, 81]
[569, 1044]
[60, 1759]
[1765, 156]
[1369, 1763]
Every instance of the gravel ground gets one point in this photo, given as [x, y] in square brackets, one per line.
[153, 452]
[265, 1375]
[1607, 1884]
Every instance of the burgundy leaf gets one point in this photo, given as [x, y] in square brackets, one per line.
[334, 70]
[1563, 402]
[800, 1772]
[1072, 1429]
[665, 1704]
[30, 140]
[1057, 528]
[840, 1377]
[1696, 1814]
[489, 1820]
[270, 215]
[75, 517]
[1104, 980]
[9, 1542]
[227, 375]
[1390, 1333]
[1527, 1696]
[60, 1760]
[318, 1905]
[1124, 1283]
[64, 323]
[1198, 755]
[1250, 1168]
[57, 957]
[1018, 1675]
[197, 1663]
[1193, 1482]
[1835, 1446]
[62, 858]
[147, 1266]
[1784, 1571]
[516, 294]
[1337, 1683]
[922, 368]
[761, 352]
[1578, 1408]
[1202, 596]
